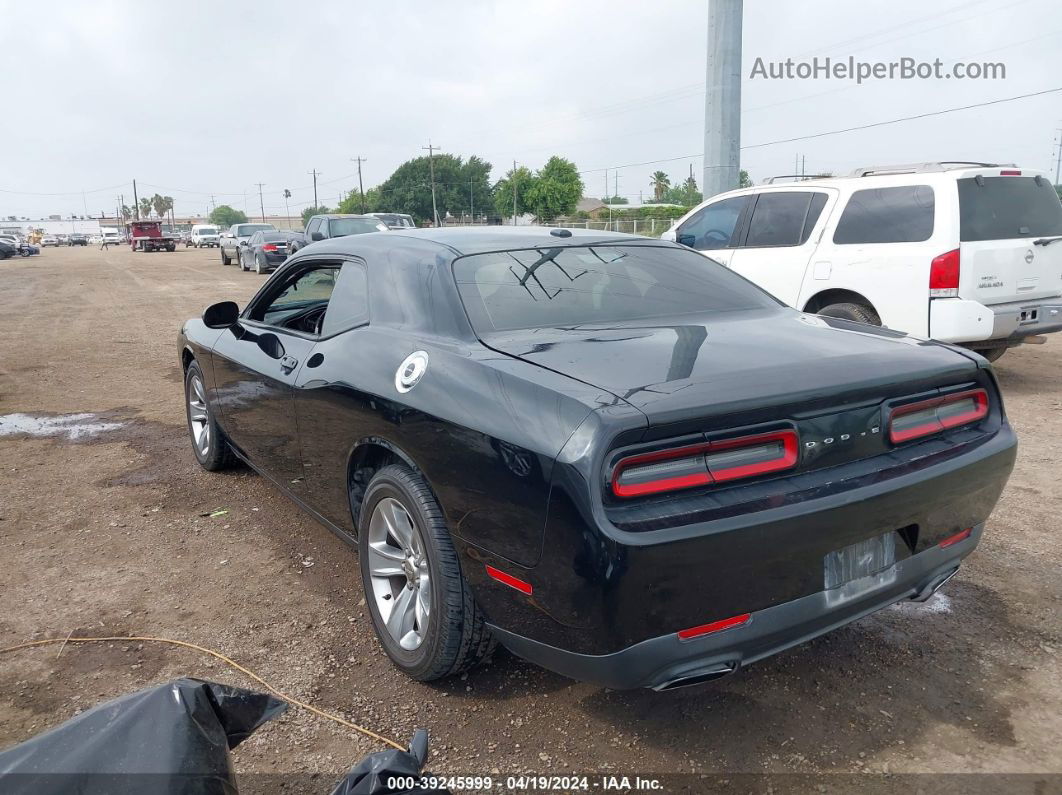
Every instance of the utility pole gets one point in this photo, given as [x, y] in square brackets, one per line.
[689, 188]
[803, 160]
[261, 202]
[431, 166]
[722, 100]
[136, 202]
[608, 201]
[213, 204]
[316, 174]
[287, 209]
[1058, 160]
[359, 160]
[471, 201]
[514, 193]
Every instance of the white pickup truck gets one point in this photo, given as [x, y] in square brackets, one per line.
[969, 253]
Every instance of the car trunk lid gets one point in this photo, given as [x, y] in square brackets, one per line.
[1007, 224]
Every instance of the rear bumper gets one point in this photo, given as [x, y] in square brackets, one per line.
[960, 320]
[666, 661]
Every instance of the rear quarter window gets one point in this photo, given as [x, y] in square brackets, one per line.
[903, 214]
[1001, 208]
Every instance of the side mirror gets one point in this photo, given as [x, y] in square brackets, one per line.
[686, 240]
[221, 315]
[316, 236]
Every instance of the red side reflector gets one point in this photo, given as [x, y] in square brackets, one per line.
[944, 275]
[962, 535]
[927, 417]
[715, 626]
[510, 580]
[1010, 173]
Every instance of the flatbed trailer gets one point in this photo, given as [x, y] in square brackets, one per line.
[148, 236]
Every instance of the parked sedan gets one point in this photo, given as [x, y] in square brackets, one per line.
[7, 250]
[49, 240]
[614, 456]
[265, 251]
[77, 240]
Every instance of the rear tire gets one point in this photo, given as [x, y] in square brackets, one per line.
[992, 354]
[860, 313]
[224, 258]
[258, 265]
[454, 636]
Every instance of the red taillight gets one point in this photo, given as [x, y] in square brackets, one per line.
[269, 247]
[715, 626]
[937, 414]
[705, 463]
[962, 535]
[1006, 173]
[510, 580]
[944, 275]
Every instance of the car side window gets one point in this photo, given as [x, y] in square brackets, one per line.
[902, 214]
[349, 305]
[713, 226]
[784, 218]
[299, 302]
[311, 228]
[255, 239]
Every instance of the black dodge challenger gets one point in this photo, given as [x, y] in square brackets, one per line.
[617, 458]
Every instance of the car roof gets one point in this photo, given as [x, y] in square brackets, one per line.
[463, 240]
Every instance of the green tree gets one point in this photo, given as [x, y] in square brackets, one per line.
[223, 216]
[145, 207]
[458, 186]
[522, 179]
[615, 200]
[353, 203]
[309, 212]
[555, 190]
[660, 184]
[743, 179]
[161, 204]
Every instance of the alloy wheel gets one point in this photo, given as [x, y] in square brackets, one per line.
[198, 417]
[399, 573]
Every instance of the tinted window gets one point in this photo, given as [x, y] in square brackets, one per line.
[713, 226]
[596, 284]
[306, 291]
[887, 215]
[255, 239]
[248, 229]
[266, 237]
[818, 201]
[998, 208]
[778, 219]
[312, 227]
[349, 305]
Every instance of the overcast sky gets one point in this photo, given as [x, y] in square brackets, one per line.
[198, 98]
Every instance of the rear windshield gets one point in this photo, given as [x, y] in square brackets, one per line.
[571, 286]
[1000, 208]
[340, 227]
[250, 229]
[206, 230]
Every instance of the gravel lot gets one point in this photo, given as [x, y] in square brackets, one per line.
[111, 534]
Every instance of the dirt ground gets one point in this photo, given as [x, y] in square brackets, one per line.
[112, 534]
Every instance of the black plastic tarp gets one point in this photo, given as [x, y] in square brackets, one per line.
[173, 739]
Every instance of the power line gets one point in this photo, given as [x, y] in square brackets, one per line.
[903, 119]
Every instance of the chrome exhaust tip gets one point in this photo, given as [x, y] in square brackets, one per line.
[926, 593]
[698, 677]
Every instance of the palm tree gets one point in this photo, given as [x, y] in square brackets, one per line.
[145, 207]
[661, 182]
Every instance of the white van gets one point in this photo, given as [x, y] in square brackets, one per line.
[959, 252]
[205, 235]
[112, 237]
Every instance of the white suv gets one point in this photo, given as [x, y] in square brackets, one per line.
[960, 252]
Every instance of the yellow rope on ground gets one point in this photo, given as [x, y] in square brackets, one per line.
[232, 663]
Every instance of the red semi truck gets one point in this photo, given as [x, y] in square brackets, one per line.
[148, 236]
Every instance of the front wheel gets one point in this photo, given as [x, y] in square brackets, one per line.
[860, 313]
[421, 607]
[209, 444]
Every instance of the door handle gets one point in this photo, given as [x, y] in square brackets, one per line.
[288, 363]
